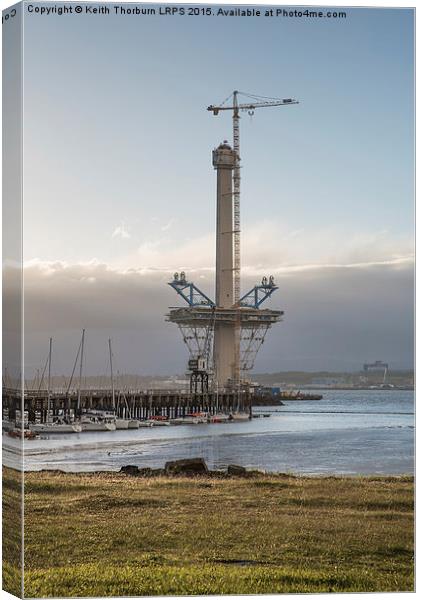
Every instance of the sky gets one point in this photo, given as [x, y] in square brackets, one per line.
[119, 189]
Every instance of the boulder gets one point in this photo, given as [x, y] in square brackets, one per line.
[157, 472]
[130, 470]
[217, 474]
[237, 470]
[188, 466]
[145, 472]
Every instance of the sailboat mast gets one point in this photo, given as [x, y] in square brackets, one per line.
[112, 373]
[49, 381]
[80, 369]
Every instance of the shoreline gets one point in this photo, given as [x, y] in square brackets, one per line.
[219, 474]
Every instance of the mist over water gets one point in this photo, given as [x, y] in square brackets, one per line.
[348, 432]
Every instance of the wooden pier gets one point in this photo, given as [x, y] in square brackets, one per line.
[140, 405]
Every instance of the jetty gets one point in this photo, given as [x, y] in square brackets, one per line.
[133, 404]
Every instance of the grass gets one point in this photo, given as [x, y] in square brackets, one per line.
[113, 535]
[12, 531]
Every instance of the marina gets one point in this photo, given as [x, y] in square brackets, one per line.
[100, 410]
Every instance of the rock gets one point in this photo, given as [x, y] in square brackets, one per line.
[130, 470]
[256, 473]
[237, 470]
[217, 474]
[156, 472]
[145, 472]
[188, 466]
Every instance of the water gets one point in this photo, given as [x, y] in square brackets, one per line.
[348, 432]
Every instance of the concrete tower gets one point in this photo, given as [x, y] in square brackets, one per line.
[223, 159]
[227, 333]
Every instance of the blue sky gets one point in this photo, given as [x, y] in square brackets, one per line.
[118, 103]
[118, 142]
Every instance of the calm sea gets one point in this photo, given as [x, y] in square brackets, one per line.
[348, 432]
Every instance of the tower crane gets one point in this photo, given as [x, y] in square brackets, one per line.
[250, 106]
[252, 102]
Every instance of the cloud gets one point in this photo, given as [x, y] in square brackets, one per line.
[336, 316]
[272, 247]
[168, 225]
[168, 255]
[121, 232]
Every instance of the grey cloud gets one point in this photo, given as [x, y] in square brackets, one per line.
[335, 318]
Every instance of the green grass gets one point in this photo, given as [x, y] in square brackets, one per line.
[12, 531]
[108, 535]
[201, 580]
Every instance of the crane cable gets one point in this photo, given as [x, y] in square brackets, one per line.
[258, 97]
[226, 99]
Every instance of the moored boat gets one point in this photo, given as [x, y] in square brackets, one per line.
[56, 427]
[240, 416]
[195, 418]
[219, 418]
[158, 423]
[184, 421]
[26, 433]
[198, 417]
[98, 421]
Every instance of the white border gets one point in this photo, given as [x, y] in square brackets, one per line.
[397, 4]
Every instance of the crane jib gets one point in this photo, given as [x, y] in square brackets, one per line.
[216, 109]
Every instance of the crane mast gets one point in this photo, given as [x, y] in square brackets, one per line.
[237, 249]
[236, 192]
[253, 103]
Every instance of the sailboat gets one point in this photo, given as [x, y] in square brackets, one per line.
[55, 424]
[98, 420]
[93, 420]
[121, 423]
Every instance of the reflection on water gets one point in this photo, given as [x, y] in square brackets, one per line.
[346, 432]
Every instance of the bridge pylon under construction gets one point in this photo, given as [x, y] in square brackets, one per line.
[222, 336]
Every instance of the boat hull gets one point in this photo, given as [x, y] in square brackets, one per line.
[219, 419]
[240, 417]
[98, 426]
[53, 428]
